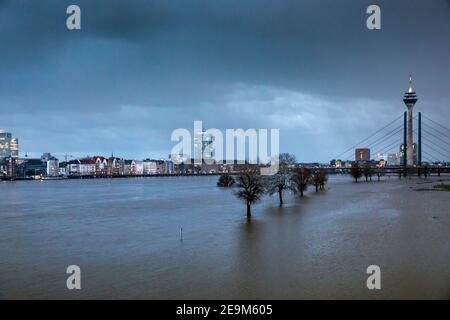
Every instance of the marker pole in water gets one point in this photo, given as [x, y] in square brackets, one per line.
[181, 234]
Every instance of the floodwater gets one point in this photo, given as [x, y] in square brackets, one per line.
[125, 236]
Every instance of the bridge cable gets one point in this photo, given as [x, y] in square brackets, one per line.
[385, 137]
[435, 136]
[437, 123]
[387, 148]
[436, 145]
[444, 155]
[439, 132]
[435, 159]
[370, 136]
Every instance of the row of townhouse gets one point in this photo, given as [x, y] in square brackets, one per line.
[100, 165]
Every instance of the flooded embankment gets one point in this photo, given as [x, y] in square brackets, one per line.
[125, 236]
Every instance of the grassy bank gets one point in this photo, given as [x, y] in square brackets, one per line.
[437, 187]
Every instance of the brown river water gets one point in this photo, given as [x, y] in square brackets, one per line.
[124, 234]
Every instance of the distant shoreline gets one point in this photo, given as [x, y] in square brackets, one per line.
[109, 176]
[91, 177]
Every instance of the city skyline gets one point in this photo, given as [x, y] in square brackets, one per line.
[132, 75]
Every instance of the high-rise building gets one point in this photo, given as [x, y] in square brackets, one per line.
[9, 146]
[203, 146]
[5, 140]
[410, 100]
[362, 154]
[14, 147]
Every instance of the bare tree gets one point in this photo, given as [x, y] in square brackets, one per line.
[367, 171]
[250, 188]
[323, 178]
[426, 171]
[315, 179]
[300, 180]
[379, 173]
[355, 171]
[281, 181]
[225, 180]
[318, 179]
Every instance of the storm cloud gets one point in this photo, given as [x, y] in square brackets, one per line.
[140, 69]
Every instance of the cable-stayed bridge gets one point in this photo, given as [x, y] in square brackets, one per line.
[432, 148]
[388, 146]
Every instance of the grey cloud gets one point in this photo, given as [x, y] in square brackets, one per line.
[179, 61]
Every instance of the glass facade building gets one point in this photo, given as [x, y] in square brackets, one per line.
[9, 146]
[203, 146]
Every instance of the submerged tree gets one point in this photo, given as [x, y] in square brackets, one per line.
[323, 178]
[355, 171]
[318, 179]
[368, 172]
[250, 188]
[379, 173]
[300, 180]
[225, 180]
[281, 181]
[315, 179]
[426, 171]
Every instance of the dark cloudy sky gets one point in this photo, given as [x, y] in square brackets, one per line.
[139, 69]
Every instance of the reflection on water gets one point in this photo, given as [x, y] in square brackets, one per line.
[125, 236]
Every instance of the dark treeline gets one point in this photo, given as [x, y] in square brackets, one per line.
[358, 171]
[252, 186]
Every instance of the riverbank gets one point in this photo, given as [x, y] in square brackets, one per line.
[125, 236]
[99, 176]
[389, 173]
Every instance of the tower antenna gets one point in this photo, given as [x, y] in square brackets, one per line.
[410, 90]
